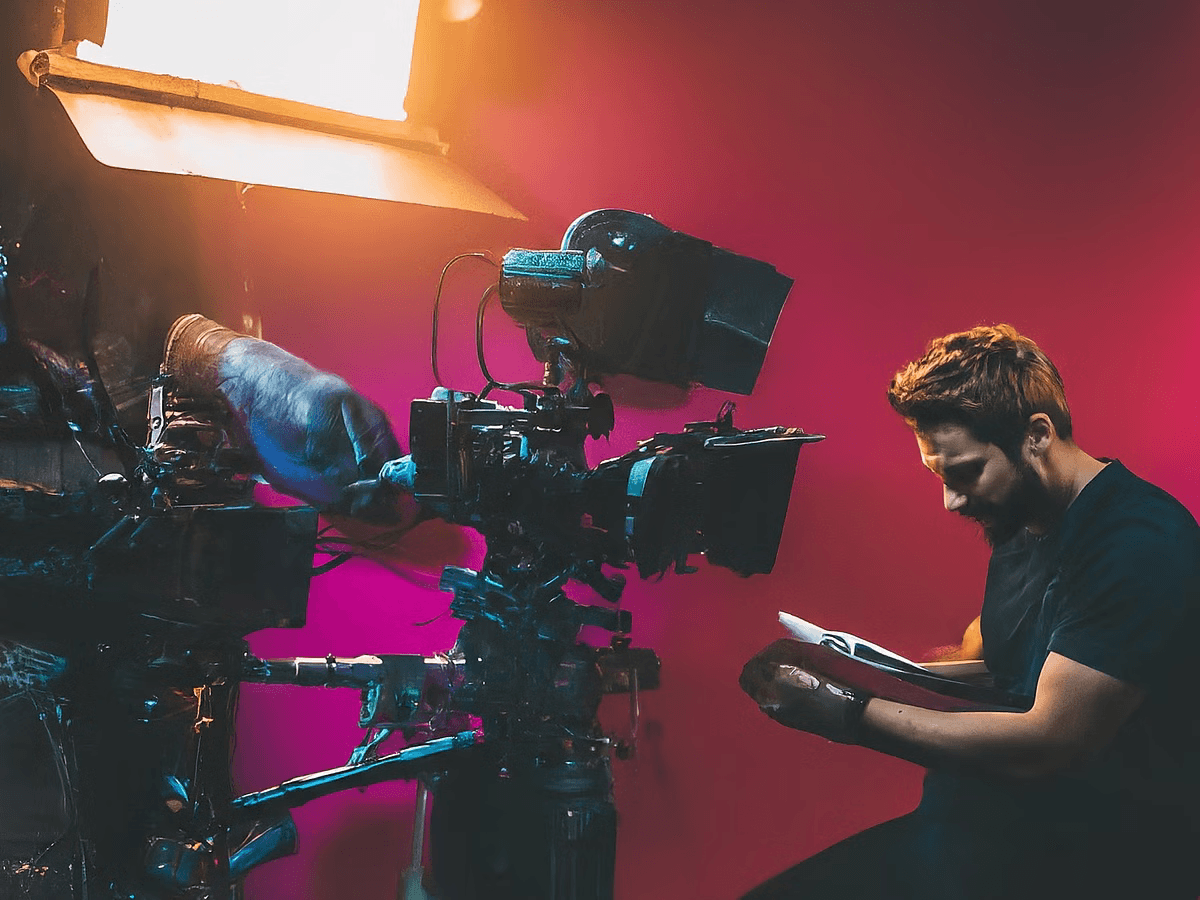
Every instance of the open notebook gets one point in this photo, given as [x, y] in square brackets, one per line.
[857, 663]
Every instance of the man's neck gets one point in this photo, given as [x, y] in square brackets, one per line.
[1083, 469]
[1068, 471]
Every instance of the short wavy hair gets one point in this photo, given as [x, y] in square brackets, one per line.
[990, 379]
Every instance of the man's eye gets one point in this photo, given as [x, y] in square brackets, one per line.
[964, 476]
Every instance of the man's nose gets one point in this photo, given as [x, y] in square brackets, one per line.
[952, 499]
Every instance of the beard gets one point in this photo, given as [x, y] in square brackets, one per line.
[1029, 502]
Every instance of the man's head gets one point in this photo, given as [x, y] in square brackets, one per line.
[988, 409]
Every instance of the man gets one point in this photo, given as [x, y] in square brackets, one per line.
[1091, 606]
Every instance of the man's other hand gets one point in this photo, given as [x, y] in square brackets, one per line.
[316, 437]
[798, 698]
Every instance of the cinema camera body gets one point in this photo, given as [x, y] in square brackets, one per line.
[528, 812]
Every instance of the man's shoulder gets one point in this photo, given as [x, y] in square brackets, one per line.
[1117, 501]
[1128, 528]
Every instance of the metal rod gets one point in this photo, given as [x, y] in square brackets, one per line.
[405, 764]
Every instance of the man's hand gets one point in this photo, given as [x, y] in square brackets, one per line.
[316, 438]
[798, 698]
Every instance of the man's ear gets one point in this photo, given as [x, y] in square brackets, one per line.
[1040, 433]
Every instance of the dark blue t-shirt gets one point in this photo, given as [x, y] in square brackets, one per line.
[1116, 587]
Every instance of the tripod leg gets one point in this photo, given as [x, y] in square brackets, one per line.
[539, 833]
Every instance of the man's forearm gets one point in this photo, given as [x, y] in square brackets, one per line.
[1006, 743]
[1076, 711]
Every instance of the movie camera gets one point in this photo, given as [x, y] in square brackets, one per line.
[623, 295]
[176, 567]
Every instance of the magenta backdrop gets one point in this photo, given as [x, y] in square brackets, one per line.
[917, 168]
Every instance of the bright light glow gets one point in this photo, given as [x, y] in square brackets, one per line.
[157, 137]
[349, 55]
[461, 10]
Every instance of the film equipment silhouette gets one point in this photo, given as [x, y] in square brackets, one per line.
[166, 565]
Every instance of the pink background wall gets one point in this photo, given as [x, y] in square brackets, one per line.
[917, 168]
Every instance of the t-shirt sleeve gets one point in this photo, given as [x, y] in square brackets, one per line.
[1129, 600]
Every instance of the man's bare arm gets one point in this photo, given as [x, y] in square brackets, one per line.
[970, 648]
[1076, 711]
